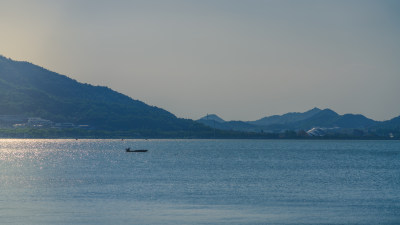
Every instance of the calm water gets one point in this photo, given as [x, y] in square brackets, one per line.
[199, 182]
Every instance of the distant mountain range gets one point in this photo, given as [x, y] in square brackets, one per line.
[27, 90]
[314, 118]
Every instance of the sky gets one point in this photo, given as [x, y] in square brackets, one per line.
[241, 60]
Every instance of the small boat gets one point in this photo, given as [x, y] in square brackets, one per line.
[138, 150]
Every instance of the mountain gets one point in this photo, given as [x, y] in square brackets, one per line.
[212, 117]
[30, 90]
[27, 90]
[329, 119]
[323, 118]
[390, 125]
[313, 118]
[285, 118]
[354, 121]
[230, 125]
[217, 122]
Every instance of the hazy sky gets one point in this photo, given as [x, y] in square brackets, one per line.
[242, 60]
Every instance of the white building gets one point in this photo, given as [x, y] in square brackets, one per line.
[39, 122]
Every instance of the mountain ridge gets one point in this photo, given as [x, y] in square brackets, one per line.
[285, 118]
[213, 117]
[28, 90]
[31, 90]
[313, 118]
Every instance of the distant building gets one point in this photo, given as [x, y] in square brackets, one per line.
[39, 122]
[316, 132]
[64, 125]
[19, 125]
[10, 120]
[320, 132]
[84, 126]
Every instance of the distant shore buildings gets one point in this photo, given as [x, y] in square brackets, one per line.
[18, 121]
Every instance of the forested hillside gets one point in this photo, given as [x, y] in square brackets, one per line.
[30, 90]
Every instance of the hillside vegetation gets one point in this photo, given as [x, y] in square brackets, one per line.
[30, 90]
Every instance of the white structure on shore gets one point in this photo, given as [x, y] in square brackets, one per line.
[38, 122]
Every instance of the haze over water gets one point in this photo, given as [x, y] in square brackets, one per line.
[199, 182]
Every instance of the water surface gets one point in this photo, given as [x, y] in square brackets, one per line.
[199, 182]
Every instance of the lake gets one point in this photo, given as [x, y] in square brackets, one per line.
[199, 182]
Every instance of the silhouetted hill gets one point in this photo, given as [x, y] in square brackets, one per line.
[393, 124]
[329, 119]
[313, 118]
[323, 118]
[30, 90]
[285, 118]
[230, 125]
[213, 117]
[217, 122]
[354, 121]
